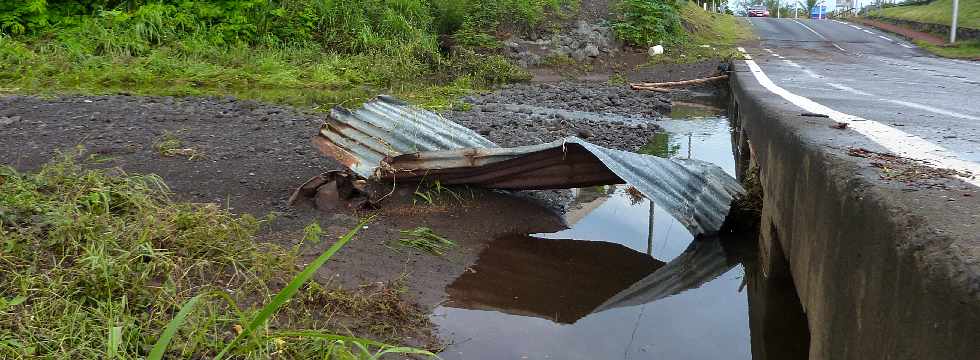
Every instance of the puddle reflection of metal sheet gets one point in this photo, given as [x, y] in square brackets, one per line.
[555, 279]
[704, 260]
[388, 139]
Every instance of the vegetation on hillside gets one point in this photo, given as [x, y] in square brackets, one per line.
[96, 263]
[936, 12]
[707, 35]
[304, 51]
[649, 22]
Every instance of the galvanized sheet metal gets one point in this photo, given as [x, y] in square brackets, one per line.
[704, 260]
[388, 138]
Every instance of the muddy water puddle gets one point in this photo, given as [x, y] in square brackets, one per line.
[626, 280]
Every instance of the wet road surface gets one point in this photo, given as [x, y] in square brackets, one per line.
[860, 71]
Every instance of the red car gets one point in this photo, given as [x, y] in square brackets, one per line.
[758, 11]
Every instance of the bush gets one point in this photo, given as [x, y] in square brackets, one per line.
[648, 22]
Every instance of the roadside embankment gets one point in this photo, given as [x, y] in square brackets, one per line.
[883, 269]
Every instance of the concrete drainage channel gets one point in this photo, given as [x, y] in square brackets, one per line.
[638, 272]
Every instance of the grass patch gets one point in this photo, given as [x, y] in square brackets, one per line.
[962, 50]
[426, 240]
[98, 263]
[710, 36]
[936, 12]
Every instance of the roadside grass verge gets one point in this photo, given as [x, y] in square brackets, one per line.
[96, 263]
[710, 36]
[962, 50]
[936, 12]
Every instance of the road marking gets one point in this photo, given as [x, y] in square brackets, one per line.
[768, 50]
[868, 31]
[838, 47]
[896, 141]
[811, 30]
[812, 74]
[849, 89]
[933, 110]
[906, 46]
[793, 64]
[744, 53]
[885, 38]
[856, 27]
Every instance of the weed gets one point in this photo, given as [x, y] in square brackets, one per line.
[169, 145]
[99, 262]
[433, 192]
[424, 239]
[648, 22]
[319, 53]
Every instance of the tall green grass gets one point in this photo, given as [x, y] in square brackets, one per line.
[103, 264]
[311, 52]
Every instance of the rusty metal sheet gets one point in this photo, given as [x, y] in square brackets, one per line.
[389, 140]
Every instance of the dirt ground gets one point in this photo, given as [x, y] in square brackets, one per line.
[249, 156]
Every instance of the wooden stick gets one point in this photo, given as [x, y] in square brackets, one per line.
[649, 88]
[678, 83]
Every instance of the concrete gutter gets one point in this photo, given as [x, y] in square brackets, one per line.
[882, 271]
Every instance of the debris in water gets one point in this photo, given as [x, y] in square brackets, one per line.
[810, 114]
[839, 125]
[389, 140]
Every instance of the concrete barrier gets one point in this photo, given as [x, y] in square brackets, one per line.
[880, 272]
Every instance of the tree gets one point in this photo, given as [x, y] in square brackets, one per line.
[809, 5]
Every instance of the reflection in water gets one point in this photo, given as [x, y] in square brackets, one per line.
[606, 294]
[560, 280]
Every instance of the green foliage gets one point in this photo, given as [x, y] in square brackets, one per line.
[649, 22]
[98, 262]
[318, 52]
[936, 12]
[708, 36]
[424, 239]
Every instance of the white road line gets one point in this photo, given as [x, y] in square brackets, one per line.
[907, 46]
[933, 110]
[838, 47]
[868, 31]
[897, 141]
[812, 74]
[768, 50]
[885, 38]
[849, 89]
[811, 30]
[856, 27]
[744, 53]
[793, 64]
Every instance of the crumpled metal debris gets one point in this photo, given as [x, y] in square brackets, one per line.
[390, 140]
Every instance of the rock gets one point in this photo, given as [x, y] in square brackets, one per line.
[585, 133]
[656, 50]
[7, 120]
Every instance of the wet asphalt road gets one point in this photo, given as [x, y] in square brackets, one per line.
[877, 76]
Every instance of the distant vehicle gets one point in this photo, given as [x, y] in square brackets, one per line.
[758, 11]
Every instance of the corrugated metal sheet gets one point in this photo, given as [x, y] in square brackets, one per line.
[388, 139]
[386, 126]
[704, 260]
